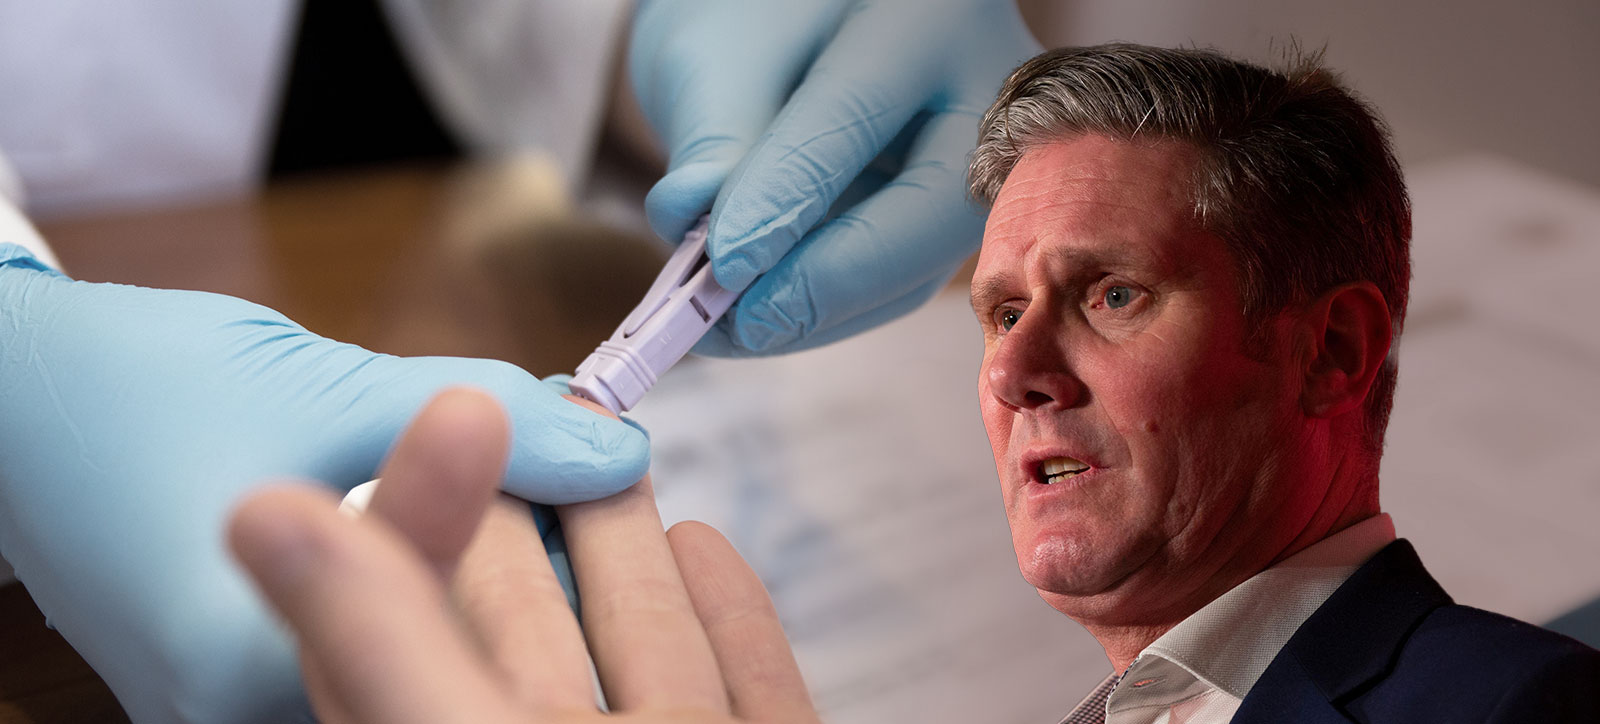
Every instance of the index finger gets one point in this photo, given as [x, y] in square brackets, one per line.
[647, 643]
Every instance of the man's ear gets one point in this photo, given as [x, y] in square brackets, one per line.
[1350, 333]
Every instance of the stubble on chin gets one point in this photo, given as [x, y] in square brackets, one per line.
[1083, 579]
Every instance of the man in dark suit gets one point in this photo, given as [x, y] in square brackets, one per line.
[1391, 646]
[1190, 280]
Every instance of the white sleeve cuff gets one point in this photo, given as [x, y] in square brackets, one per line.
[14, 227]
[512, 75]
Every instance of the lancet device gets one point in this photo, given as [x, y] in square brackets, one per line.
[679, 309]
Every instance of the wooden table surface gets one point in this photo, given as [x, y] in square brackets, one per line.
[477, 259]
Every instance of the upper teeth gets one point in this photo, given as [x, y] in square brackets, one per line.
[1062, 466]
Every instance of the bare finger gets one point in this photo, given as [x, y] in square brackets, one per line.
[369, 613]
[513, 601]
[442, 474]
[647, 643]
[758, 667]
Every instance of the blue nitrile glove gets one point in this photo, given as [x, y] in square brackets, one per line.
[132, 419]
[833, 136]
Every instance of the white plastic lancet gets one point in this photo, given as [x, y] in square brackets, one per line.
[680, 307]
[682, 304]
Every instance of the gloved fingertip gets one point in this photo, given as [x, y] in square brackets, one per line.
[622, 453]
[749, 236]
[682, 196]
[630, 422]
[761, 337]
[559, 384]
[777, 312]
[618, 455]
[735, 269]
[564, 453]
[604, 435]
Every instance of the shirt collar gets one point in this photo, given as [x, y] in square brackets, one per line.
[1229, 642]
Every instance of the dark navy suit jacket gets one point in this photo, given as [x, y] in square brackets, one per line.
[1391, 646]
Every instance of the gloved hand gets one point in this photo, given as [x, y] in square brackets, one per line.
[132, 419]
[833, 137]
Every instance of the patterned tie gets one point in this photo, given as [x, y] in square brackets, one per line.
[1092, 710]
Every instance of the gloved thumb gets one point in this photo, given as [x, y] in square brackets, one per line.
[560, 452]
[687, 192]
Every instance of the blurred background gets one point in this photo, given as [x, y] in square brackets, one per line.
[856, 478]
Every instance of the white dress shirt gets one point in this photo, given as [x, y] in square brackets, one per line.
[1200, 671]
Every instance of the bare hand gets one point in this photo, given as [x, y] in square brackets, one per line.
[440, 604]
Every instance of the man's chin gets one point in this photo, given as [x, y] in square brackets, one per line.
[1066, 568]
[1064, 572]
[1069, 584]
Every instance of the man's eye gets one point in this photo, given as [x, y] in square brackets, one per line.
[1119, 296]
[1007, 318]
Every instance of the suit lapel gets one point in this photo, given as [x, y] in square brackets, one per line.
[1347, 643]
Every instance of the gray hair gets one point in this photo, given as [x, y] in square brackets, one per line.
[1296, 174]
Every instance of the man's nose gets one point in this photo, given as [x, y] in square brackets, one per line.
[1030, 369]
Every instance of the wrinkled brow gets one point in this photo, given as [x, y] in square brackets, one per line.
[1074, 263]
[988, 291]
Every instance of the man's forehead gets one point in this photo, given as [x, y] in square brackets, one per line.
[1103, 169]
[1090, 201]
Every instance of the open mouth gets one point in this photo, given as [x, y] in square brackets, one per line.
[1056, 470]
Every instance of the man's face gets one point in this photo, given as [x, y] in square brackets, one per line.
[1142, 454]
